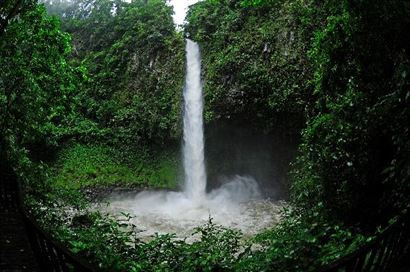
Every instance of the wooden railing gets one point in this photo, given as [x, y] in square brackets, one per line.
[51, 255]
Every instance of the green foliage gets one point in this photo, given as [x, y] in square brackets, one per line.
[135, 59]
[255, 60]
[87, 233]
[296, 244]
[255, 3]
[335, 65]
[353, 94]
[341, 66]
[215, 251]
[300, 243]
[351, 141]
[10, 10]
[37, 84]
[83, 166]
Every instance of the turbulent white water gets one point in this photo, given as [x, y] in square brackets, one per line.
[237, 203]
[194, 165]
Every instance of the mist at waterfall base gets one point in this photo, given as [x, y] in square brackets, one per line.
[237, 203]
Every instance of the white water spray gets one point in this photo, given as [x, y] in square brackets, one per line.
[194, 165]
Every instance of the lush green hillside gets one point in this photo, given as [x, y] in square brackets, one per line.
[341, 68]
[37, 83]
[92, 98]
[134, 61]
[135, 64]
[255, 62]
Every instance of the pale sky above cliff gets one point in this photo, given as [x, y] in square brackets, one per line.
[180, 9]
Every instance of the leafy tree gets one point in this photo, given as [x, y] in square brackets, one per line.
[135, 59]
[9, 11]
[36, 83]
[357, 136]
[57, 7]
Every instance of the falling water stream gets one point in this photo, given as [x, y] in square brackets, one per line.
[194, 165]
[238, 203]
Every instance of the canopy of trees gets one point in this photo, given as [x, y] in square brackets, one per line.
[37, 82]
[135, 62]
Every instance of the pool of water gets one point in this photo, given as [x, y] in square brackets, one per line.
[236, 204]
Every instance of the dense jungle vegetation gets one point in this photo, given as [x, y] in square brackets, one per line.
[90, 97]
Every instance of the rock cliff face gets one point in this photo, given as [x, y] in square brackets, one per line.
[255, 62]
[256, 75]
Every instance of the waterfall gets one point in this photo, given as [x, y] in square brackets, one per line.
[232, 201]
[193, 148]
[237, 203]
